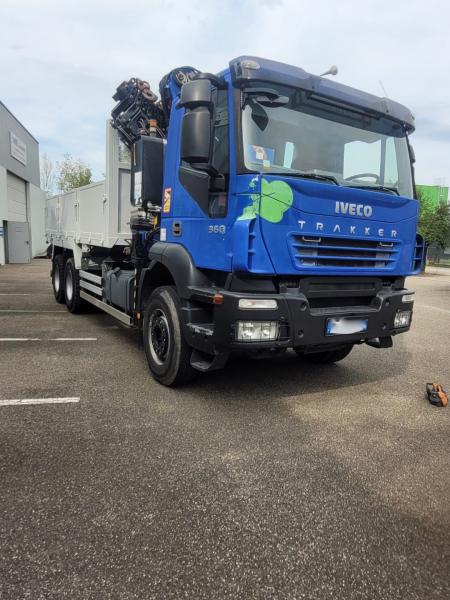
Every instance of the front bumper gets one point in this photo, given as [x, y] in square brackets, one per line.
[302, 324]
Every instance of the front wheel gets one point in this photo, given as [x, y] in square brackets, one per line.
[327, 357]
[166, 350]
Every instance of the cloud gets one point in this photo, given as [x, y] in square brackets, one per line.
[60, 62]
[433, 129]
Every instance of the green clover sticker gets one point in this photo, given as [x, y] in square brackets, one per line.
[251, 210]
[276, 198]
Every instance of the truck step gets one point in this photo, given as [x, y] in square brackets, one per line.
[203, 362]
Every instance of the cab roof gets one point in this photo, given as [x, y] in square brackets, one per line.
[252, 68]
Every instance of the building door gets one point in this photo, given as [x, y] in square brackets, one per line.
[18, 235]
[17, 198]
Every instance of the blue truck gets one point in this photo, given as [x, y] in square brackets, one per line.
[271, 209]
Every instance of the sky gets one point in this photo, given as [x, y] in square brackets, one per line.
[61, 61]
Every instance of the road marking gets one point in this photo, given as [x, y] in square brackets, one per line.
[20, 339]
[17, 294]
[86, 339]
[24, 401]
[13, 310]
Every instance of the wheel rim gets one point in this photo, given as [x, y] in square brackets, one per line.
[159, 338]
[69, 285]
[56, 280]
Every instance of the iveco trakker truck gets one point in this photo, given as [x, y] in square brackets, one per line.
[270, 209]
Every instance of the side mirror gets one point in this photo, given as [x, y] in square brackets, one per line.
[196, 136]
[195, 94]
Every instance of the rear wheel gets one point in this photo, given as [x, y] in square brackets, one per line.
[327, 357]
[167, 352]
[72, 288]
[58, 278]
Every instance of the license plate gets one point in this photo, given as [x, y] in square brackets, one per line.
[345, 326]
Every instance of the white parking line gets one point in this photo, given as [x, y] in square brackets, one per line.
[86, 339]
[20, 339]
[17, 294]
[24, 401]
[14, 310]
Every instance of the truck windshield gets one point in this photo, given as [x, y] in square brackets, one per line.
[304, 135]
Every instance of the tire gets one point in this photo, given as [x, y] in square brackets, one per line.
[58, 278]
[166, 350]
[328, 357]
[74, 303]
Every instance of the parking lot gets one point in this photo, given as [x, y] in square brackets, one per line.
[270, 479]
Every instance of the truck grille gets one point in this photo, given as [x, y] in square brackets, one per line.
[358, 253]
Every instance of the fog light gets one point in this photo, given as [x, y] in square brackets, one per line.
[402, 318]
[408, 297]
[268, 303]
[257, 331]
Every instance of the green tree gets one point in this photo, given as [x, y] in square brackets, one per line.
[434, 221]
[72, 173]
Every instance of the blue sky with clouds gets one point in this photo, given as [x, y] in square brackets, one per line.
[60, 61]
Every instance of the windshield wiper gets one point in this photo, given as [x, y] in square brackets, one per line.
[317, 176]
[379, 188]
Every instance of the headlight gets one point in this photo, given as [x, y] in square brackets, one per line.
[402, 318]
[256, 331]
[408, 297]
[268, 303]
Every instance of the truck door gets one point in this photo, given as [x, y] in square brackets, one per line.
[194, 215]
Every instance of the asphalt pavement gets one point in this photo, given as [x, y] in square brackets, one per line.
[269, 479]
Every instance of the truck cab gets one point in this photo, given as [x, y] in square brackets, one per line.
[271, 209]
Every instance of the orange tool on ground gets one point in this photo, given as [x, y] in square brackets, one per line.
[436, 394]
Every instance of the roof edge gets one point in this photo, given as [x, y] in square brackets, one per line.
[19, 122]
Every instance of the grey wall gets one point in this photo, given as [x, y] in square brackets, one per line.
[36, 218]
[8, 123]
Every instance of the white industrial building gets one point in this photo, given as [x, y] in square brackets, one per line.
[22, 202]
